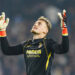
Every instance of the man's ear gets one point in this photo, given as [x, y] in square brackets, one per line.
[45, 32]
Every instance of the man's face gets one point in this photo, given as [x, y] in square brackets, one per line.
[39, 27]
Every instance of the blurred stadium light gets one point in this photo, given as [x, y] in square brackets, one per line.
[51, 13]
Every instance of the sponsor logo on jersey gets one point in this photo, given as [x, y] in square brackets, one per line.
[33, 53]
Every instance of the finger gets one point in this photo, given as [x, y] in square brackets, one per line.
[6, 23]
[64, 13]
[1, 20]
[7, 20]
[0, 17]
[3, 16]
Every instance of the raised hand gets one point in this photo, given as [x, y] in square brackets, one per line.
[3, 22]
[63, 18]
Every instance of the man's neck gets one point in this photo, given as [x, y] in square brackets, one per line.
[38, 36]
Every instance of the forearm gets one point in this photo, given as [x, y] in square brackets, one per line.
[10, 50]
[65, 44]
[63, 47]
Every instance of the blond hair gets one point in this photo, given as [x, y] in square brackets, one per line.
[47, 21]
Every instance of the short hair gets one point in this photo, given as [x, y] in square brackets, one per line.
[47, 21]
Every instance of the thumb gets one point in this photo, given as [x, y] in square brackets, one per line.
[3, 16]
[7, 21]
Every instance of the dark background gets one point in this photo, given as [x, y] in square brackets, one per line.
[23, 14]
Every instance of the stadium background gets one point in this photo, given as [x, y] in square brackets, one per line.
[23, 14]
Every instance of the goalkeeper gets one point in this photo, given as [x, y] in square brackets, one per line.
[38, 52]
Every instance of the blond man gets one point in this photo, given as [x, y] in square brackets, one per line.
[38, 52]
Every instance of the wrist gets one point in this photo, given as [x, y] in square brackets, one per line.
[64, 31]
[3, 33]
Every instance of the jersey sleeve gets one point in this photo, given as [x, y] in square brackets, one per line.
[10, 50]
[60, 48]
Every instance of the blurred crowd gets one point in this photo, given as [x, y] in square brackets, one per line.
[23, 14]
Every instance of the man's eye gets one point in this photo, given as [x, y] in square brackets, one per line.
[39, 23]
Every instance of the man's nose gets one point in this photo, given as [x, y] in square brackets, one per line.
[36, 25]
